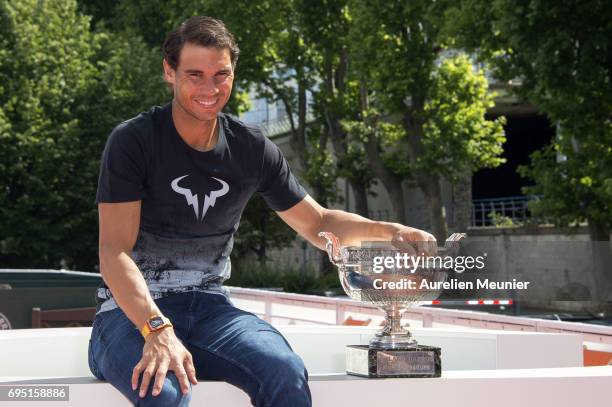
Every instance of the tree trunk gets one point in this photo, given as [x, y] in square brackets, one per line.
[361, 198]
[335, 84]
[298, 144]
[601, 258]
[598, 232]
[298, 141]
[359, 190]
[297, 133]
[319, 190]
[428, 182]
[462, 203]
[391, 181]
[437, 217]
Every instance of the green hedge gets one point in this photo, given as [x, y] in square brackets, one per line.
[254, 275]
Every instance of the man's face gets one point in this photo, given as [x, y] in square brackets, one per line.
[202, 82]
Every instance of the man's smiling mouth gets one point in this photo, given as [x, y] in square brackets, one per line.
[206, 102]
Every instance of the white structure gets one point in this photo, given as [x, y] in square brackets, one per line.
[481, 367]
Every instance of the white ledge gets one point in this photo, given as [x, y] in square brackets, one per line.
[557, 387]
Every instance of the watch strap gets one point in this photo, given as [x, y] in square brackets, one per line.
[148, 327]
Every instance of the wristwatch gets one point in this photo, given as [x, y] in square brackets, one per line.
[154, 324]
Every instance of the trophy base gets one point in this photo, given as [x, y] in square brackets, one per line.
[418, 361]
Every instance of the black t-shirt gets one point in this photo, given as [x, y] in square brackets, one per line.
[191, 200]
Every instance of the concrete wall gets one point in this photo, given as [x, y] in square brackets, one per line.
[558, 263]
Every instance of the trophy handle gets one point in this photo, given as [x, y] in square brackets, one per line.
[332, 247]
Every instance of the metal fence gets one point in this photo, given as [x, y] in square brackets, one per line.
[500, 211]
[282, 126]
[485, 212]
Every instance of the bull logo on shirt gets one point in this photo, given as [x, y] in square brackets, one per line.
[192, 199]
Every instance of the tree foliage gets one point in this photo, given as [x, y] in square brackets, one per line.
[63, 88]
[65, 85]
[260, 231]
[378, 76]
[457, 138]
[561, 53]
[435, 102]
[326, 26]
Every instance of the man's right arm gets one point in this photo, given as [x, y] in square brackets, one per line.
[119, 225]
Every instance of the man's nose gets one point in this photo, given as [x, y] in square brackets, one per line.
[208, 86]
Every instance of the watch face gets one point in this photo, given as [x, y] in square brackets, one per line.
[156, 322]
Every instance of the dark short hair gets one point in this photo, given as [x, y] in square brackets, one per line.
[199, 30]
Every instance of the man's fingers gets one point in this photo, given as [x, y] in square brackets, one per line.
[405, 246]
[136, 374]
[432, 246]
[427, 247]
[182, 378]
[415, 243]
[190, 369]
[421, 247]
[146, 379]
[162, 370]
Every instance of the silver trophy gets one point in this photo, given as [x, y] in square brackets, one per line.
[368, 275]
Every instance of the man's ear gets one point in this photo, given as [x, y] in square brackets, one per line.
[169, 73]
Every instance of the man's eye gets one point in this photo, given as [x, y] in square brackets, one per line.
[194, 75]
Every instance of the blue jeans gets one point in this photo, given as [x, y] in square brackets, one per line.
[226, 343]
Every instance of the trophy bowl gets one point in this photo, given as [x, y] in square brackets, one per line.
[367, 275]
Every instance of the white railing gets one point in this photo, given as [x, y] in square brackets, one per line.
[427, 315]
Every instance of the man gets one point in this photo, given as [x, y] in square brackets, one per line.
[173, 184]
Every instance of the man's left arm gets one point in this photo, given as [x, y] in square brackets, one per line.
[308, 218]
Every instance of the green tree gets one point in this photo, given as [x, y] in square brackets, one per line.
[151, 20]
[326, 28]
[435, 105]
[63, 88]
[260, 230]
[561, 53]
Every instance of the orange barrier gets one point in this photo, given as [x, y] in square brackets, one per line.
[597, 358]
[350, 321]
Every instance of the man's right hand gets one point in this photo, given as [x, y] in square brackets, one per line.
[163, 351]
